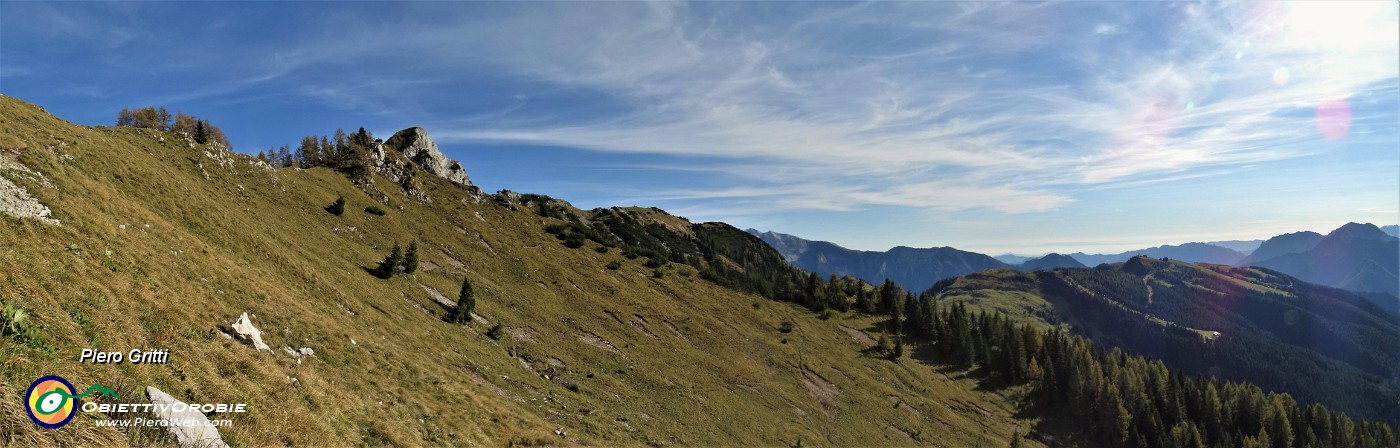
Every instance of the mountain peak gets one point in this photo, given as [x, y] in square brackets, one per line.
[1050, 261]
[1354, 230]
[415, 144]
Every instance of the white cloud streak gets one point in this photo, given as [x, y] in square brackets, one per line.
[878, 119]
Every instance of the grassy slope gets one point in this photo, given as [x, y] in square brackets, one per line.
[691, 363]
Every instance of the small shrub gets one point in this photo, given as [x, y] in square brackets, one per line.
[602, 249]
[657, 274]
[571, 386]
[786, 327]
[109, 259]
[825, 314]
[338, 207]
[554, 229]
[614, 266]
[15, 322]
[654, 263]
[494, 333]
[573, 242]
[374, 210]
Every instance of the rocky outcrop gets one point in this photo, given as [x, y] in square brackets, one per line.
[245, 331]
[15, 200]
[415, 145]
[187, 436]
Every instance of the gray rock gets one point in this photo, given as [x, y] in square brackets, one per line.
[307, 351]
[417, 147]
[244, 330]
[199, 436]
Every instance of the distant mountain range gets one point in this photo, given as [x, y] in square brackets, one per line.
[1049, 262]
[914, 269]
[1192, 252]
[1242, 246]
[1356, 257]
[1010, 258]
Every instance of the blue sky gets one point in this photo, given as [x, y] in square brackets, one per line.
[987, 126]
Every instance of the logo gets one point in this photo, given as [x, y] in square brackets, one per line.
[51, 402]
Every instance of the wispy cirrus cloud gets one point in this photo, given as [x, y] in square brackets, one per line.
[1069, 102]
[756, 110]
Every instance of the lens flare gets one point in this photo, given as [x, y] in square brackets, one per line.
[1281, 76]
[1334, 118]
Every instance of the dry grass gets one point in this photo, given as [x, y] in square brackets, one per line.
[692, 363]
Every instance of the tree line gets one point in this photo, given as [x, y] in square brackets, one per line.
[159, 118]
[347, 153]
[1111, 397]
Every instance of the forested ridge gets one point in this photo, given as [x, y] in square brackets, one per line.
[1088, 393]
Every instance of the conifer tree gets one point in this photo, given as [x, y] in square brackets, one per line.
[337, 207]
[410, 258]
[466, 303]
[391, 264]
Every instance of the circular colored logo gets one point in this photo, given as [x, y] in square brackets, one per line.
[50, 401]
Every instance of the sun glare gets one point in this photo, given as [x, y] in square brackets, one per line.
[1347, 26]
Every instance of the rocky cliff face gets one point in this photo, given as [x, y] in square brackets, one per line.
[417, 147]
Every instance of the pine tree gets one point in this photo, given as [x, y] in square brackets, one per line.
[410, 258]
[391, 264]
[466, 303]
[337, 207]
[201, 135]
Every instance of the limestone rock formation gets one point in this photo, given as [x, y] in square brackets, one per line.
[245, 331]
[417, 147]
[187, 436]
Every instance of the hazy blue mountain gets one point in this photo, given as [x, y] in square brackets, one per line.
[914, 269]
[1358, 257]
[1192, 252]
[1050, 261]
[1242, 246]
[1012, 259]
[1391, 230]
[1290, 243]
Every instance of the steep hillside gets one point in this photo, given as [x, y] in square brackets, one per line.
[1357, 257]
[1316, 343]
[909, 267]
[1192, 252]
[161, 243]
